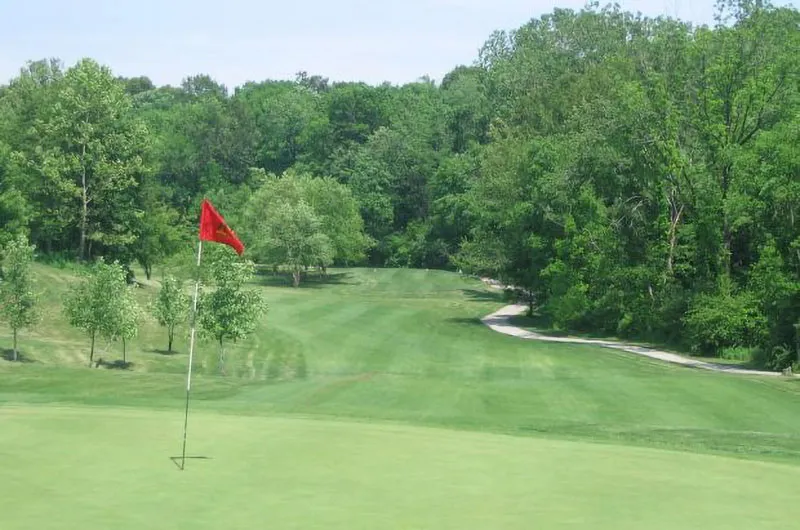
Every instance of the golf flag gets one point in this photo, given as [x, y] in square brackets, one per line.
[214, 228]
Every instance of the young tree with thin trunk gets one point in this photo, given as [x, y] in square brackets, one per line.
[126, 324]
[94, 305]
[17, 299]
[171, 308]
[229, 312]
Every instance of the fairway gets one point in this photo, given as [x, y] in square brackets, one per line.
[405, 412]
[109, 468]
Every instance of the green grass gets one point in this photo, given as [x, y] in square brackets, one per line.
[113, 471]
[412, 400]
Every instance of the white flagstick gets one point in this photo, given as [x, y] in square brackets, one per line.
[191, 351]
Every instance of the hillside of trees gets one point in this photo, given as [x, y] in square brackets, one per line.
[639, 176]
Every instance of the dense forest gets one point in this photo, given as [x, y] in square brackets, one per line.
[634, 176]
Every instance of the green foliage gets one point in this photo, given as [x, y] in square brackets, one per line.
[298, 221]
[333, 203]
[14, 212]
[98, 305]
[229, 311]
[725, 319]
[92, 151]
[739, 353]
[613, 167]
[171, 307]
[18, 301]
[158, 229]
[126, 320]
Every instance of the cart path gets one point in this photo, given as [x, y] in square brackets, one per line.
[499, 321]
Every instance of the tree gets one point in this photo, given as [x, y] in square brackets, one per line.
[292, 235]
[93, 154]
[300, 221]
[14, 212]
[333, 203]
[291, 121]
[94, 305]
[171, 307]
[745, 82]
[611, 165]
[137, 85]
[158, 229]
[17, 299]
[229, 312]
[125, 325]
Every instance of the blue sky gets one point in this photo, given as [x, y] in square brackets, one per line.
[239, 40]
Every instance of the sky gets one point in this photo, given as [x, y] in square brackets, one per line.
[235, 41]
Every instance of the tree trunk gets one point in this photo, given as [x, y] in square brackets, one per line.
[221, 357]
[673, 234]
[84, 206]
[148, 271]
[797, 340]
[15, 344]
[727, 236]
[91, 350]
[170, 335]
[296, 277]
[124, 352]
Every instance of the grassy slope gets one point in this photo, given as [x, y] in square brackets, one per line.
[89, 448]
[109, 468]
[406, 346]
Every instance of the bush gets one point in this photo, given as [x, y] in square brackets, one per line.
[725, 320]
[569, 309]
[739, 353]
[777, 358]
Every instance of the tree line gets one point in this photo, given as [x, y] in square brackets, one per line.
[634, 176]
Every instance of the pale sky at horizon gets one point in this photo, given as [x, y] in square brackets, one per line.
[239, 40]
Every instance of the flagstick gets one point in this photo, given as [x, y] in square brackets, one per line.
[191, 351]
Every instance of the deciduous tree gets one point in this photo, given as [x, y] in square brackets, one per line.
[95, 304]
[171, 308]
[17, 297]
[229, 311]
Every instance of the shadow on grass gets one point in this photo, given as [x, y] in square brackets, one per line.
[283, 366]
[163, 352]
[477, 295]
[177, 460]
[113, 365]
[465, 321]
[543, 325]
[8, 355]
[308, 281]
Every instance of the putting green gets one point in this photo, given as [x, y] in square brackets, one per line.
[87, 468]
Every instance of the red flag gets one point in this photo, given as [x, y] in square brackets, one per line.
[214, 228]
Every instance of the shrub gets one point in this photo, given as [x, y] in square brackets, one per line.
[778, 358]
[725, 320]
[739, 353]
